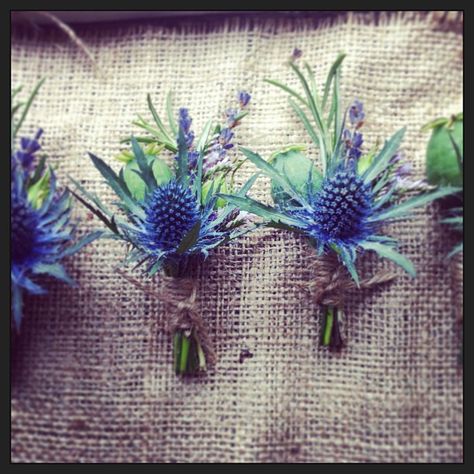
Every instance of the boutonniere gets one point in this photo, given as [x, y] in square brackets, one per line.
[342, 203]
[171, 217]
[42, 231]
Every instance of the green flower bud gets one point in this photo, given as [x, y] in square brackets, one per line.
[442, 164]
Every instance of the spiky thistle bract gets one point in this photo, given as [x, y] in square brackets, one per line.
[171, 217]
[42, 232]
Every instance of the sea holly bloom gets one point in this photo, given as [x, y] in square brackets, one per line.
[343, 205]
[172, 217]
[41, 232]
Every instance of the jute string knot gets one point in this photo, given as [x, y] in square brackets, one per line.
[332, 282]
[179, 295]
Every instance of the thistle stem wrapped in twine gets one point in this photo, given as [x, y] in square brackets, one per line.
[330, 286]
[192, 346]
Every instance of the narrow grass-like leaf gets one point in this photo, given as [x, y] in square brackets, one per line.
[55, 270]
[38, 171]
[145, 168]
[312, 81]
[201, 145]
[169, 112]
[189, 239]
[270, 171]
[18, 124]
[287, 89]
[400, 209]
[331, 74]
[246, 187]
[87, 239]
[121, 190]
[457, 249]
[259, 209]
[315, 135]
[91, 197]
[380, 162]
[96, 212]
[452, 220]
[347, 260]
[313, 106]
[387, 251]
[157, 119]
[182, 169]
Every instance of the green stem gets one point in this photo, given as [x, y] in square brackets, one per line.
[177, 337]
[328, 325]
[331, 331]
[183, 359]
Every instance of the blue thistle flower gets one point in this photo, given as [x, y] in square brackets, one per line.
[174, 222]
[340, 210]
[171, 212]
[40, 226]
[40, 232]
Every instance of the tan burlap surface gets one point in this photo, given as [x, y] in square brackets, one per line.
[92, 377]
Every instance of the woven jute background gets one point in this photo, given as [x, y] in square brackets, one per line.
[92, 377]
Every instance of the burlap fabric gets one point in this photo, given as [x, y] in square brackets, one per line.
[92, 377]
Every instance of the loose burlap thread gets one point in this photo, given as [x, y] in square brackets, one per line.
[92, 383]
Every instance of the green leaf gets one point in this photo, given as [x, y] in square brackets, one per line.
[182, 171]
[146, 172]
[314, 135]
[159, 137]
[39, 190]
[18, 125]
[55, 270]
[113, 180]
[203, 139]
[162, 171]
[388, 252]
[266, 212]
[157, 119]
[380, 162]
[209, 185]
[453, 220]
[457, 249]
[189, 239]
[39, 170]
[134, 181]
[444, 156]
[270, 171]
[169, 112]
[298, 170]
[400, 209]
[331, 75]
[110, 224]
[287, 89]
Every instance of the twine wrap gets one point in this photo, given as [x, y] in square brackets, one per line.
[332, 282]
[179, 294]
